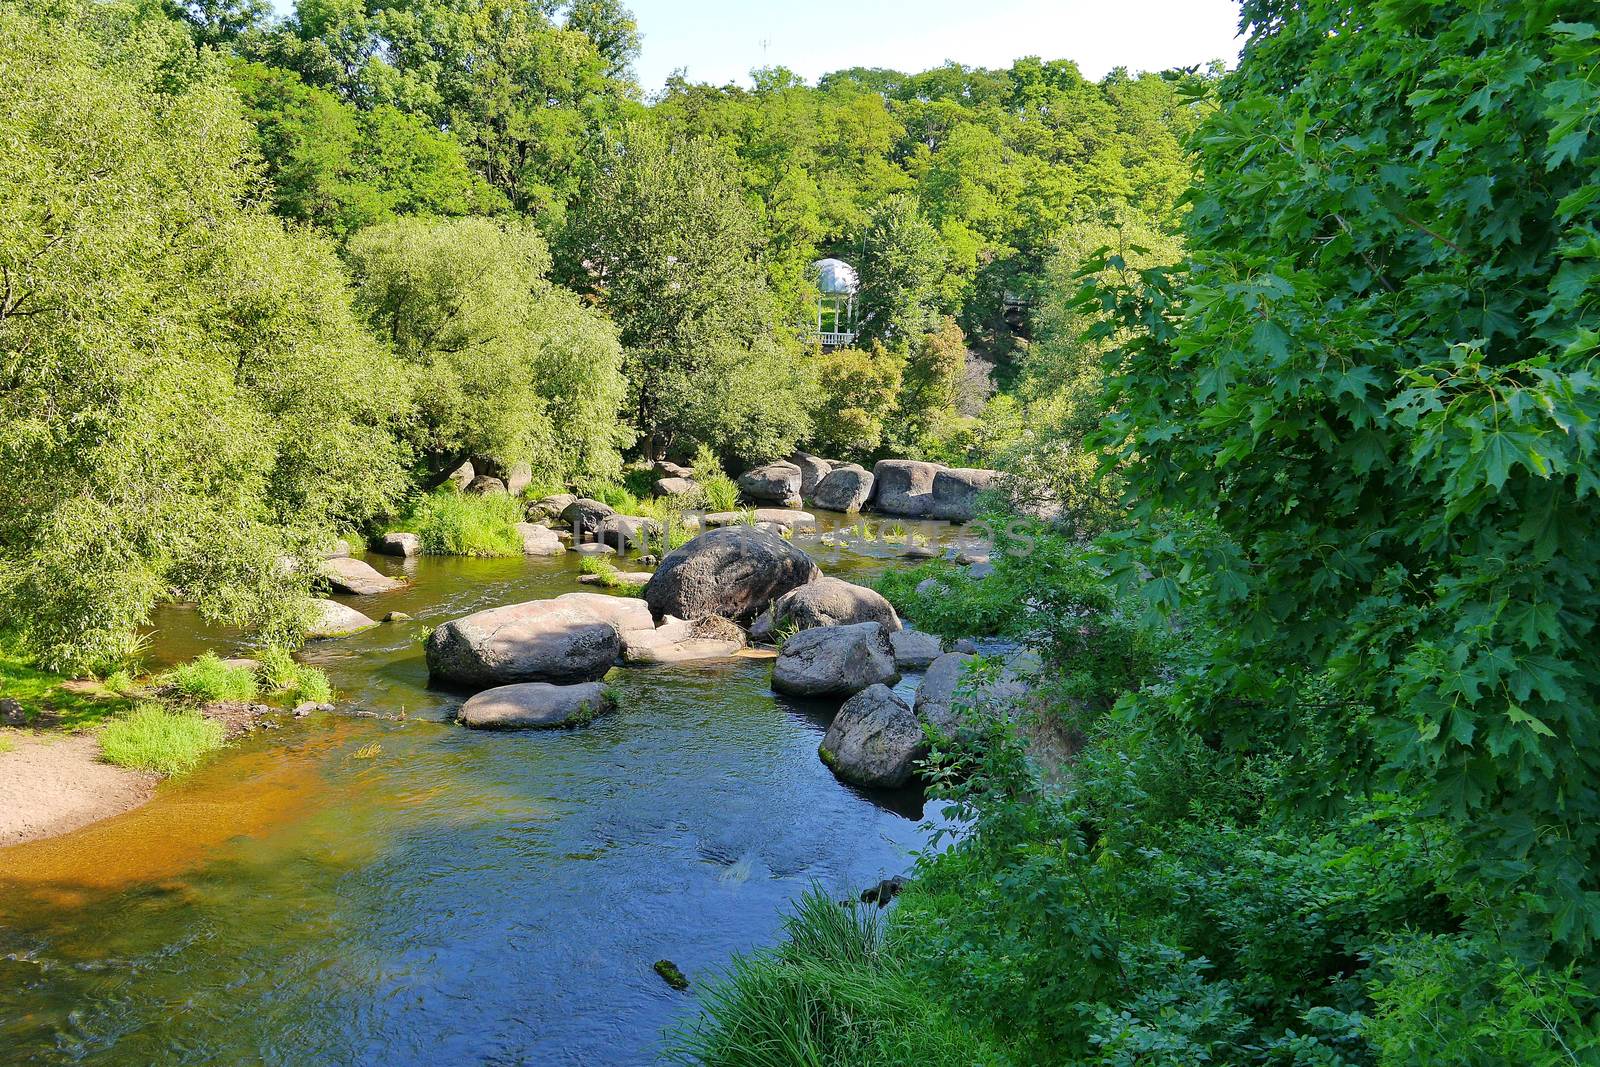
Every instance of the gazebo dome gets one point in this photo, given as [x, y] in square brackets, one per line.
[835, 277]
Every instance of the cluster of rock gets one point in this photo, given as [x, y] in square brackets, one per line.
[900, 487]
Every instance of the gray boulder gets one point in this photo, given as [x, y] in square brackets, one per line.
[348, 575]
[735, 572]
[550, 507]
[955, 492]
[486, 485]
[405, 545]
[812, 470]
[594, 548]
[836, 661]
[979, 571]
[539, 540]
[534, 706]
[832, 602]
[663, 469]
[915, 650]
[903, 487]
[874, 741]
[676, 487]
[936, 696]
[624, 532]
[585, 516]
[329, 618]
[462, 476]
[781, 517]
[626, 614]
[537, 641]
[774, 483]
[843, 488]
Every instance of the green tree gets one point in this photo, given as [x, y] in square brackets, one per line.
[903, 263]
[859, 387]
[504, 364]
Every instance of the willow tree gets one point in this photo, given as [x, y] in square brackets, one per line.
[185, 394]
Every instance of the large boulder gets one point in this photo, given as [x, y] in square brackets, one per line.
[329, 618]
[346, 575]
[518, 478]
[812, 471]
[936, 695]
[537, 641]
[834, 661]
[550, 507]
[462, 476]
[539, 540]
[676, 487]
[625, 532]
[774, 483]
[955, 492]
[844, 488]
[664, 469]
[486, 485]
[915, 650]
[405, 545]
[903, 487]
[626, 614]
[735, 572]
[874, 741]
[585, 516]
[832, 602]
[534, 706]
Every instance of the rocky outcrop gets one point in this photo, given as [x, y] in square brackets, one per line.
[664, 469]
[774, 483]
[329, 618]
[812, 470]
[557, 640]
[735, 572]
[404, 545]
[462, 476]
[625, 532]
[535, 705]
[844, 488]
[874, 741]
[539, 540]
[486, 485]
[903, 487]
[550, 507]
[915, 650]
[585, 515]
[784, 518]
[832, 602]
[834, 661]
[594, 548]
[346, 575]
[518, 478]
[936, 695]
[676, 487]
[955, 492]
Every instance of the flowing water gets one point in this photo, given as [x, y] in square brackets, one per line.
[379, 885]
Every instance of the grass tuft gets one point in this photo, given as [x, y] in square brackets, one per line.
[206, 678]
[152, 738]
[450, 523]
[282, 675]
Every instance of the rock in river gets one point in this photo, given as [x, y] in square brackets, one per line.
[903, 487]
[875, 740]
[535, 705]
[734, 572]
[557, 640]
[539, 540]
[775, 483]
[955, 492]
[332, 619]
[844, 488]
[832, 602]
[834, 661]
[400, 544]
[915, 650]
[348, 575]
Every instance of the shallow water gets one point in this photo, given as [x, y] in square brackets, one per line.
[398, 890]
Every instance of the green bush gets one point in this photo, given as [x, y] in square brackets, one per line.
[720, 492]
[282, 675]
[455, 524]
[206, 678]
[152, 738]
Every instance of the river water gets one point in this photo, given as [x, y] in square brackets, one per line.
[395, 889]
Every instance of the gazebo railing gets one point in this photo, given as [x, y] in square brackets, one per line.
[835, 339]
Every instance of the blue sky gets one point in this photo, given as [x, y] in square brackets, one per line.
[721, 40]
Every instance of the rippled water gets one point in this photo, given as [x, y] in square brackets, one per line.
[399, 890]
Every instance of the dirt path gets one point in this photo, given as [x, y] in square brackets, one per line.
[53, 784]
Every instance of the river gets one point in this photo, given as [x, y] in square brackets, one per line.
[381, 886]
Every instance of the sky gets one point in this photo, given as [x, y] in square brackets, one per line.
[722, 40]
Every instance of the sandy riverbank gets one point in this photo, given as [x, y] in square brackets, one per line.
[53, 784]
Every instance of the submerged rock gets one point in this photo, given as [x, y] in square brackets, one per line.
[875, 740]
[834, 661]
[670, 974]
[347, 575]
[832, 602]
[735, 572]
[333, 619]
[535, 705]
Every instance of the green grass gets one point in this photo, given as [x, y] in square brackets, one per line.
[70, 705]
[450, 523]
[282, 676]
[152, 738]
[835, 992]
[206, 678]
[6, 744]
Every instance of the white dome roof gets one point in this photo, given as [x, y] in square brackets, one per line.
[835, 277]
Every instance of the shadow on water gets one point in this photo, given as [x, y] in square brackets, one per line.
[402, 891]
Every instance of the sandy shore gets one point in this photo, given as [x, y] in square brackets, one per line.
[51, 785]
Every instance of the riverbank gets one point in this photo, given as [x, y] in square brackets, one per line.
[54, 784]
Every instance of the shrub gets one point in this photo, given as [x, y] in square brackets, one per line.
[207, 678]
[454, 524]
[282, 675]
[720, 492]
[152, 738]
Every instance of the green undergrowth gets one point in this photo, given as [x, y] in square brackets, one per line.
[55, 700]
[206, 678]
[451, 523]
[167, 741]
[284, 677]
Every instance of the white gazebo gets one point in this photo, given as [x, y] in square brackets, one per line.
[837, 285]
